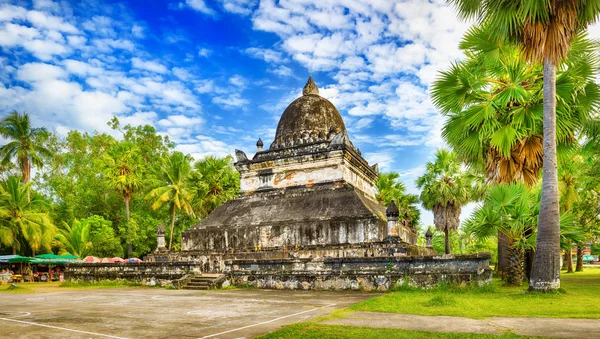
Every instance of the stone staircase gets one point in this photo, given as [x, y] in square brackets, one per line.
[203, 282]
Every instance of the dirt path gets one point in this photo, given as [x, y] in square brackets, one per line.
[549, 327]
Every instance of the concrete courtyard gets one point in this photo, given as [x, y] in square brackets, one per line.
[158, 313]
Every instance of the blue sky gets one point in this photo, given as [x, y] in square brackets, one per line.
[215, 75]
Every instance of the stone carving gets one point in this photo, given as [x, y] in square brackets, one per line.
[241, 156]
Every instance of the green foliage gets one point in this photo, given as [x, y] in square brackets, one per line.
[493, 101]
[25, 143]
[390, 188]
[213, 182]
[464, 241]
[445, 188]
[23, 220]
[175, 193]
[90, 236]
[90, 178]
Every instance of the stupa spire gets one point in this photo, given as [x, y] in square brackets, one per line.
[310, 88]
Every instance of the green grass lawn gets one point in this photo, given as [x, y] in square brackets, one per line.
[579, 300]
[311, 330]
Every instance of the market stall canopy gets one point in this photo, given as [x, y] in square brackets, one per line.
[7, 258]
[20, 259]
[56, 256]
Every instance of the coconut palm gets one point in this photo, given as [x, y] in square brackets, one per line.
[122, 172]
[25, 143]
[213, 182]
[390, 188]
[75, 239]
[545, 31]
[22, 217]
[175, 171]
[444, 190]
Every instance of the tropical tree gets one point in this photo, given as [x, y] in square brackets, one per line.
[511, 210]
[545, 31]
[444, 190]
[123, 171]
[389, 188]
[213, 182]
[74, 239]
[22, 217]
[25, 143]
[89, 236]
[175, 170]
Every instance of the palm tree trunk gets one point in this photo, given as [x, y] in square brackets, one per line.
[129, 246]
[545, 275]
[565, 264]
[447, 240]
[569, 260]
[514, 274]
[172, 227]
[579, 267]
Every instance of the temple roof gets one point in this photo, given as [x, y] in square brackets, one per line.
[295, 205]
[308, 118]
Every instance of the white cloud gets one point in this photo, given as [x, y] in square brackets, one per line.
[233, 100]
[10, 12]
[238, 80]
[282, 71]
[36, 72]
[137, 31]
[200, 6]
[152, 66]
[204, 52]
[266, 54]
[242, 7]
[47, 21]
[81, 68]
[204, 146]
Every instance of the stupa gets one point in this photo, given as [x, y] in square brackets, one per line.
[311, 187]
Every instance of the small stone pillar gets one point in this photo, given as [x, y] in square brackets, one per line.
[160, 237]
[392, 219]
[429, 238]
[259, 145]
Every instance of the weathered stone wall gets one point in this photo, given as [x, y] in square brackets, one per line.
[165, 272]
[343, 231]
[369, 273]
[213, 261]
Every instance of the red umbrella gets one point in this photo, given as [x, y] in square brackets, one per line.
[91, 259]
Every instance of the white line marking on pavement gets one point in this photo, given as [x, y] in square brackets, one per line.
[266, 322]
[61, 328]
[20, 316]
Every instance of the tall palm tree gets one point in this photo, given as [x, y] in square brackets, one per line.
[175, 171]
[389, 188]
[494, 104]
[75, 239]
[214, 181]
[22, 217]
[445, 189]
[25, 143]
[544, 31]
[123, 170]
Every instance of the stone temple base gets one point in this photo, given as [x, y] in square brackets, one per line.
[366, 274]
